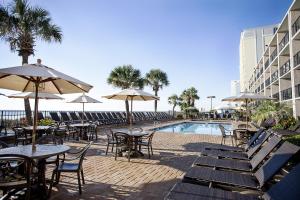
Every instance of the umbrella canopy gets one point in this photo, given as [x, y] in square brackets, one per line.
[31, 95]
[84, 99]
[247, 97]
[132, 95]
[38, 77]
[224, 107]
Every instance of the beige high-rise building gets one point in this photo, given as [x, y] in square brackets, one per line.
[253, 43]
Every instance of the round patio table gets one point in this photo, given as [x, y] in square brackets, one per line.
[41, 153]
[135, 135]
[39, 129]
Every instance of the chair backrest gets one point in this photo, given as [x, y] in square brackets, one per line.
[19, 132]
[258, 143]
[121, 138]
[64, 116]
[95, 116]
[287, 188]
[276, 162]
[3, 145]
[89, 116]
[40, 116]
[221, 127]
[50, 139]
[82, 115]
[264, 151]
[253, 138]
[83, 153]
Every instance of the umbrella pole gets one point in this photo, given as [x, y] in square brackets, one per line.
[82, 113]
[246, 114]
[36, 102]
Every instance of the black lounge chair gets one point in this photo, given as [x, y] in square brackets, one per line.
[55, 116]
[82, 116]
[256, 180]
[89, 116]
[238, 149]
[239, 155]
[239, 164]
[286, 188]
[40, 116]
[64, 116]
[74, 116]
[95, 116]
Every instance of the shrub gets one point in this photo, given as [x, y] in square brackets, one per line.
[46, 122]
[179, 116]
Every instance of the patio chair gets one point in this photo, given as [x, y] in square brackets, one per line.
[3, 145]
[123, 143]
[255, 180]
[71, 131]
[238, 164]
[92, 132]
[21, 136]
[74, 117]
[71, 167]
[146, 141]
[15, 175]
[286, 188]
[225, 135]
[249, 143]
[82, 116]
[54, 116]
[239, 155]
[89, 116]
[110, 140]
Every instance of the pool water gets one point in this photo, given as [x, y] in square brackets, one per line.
[195, 128]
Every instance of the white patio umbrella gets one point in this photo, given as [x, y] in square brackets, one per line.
[39, 78]
[247, 97]
[84, 99]
[31, 95]
[132, 95]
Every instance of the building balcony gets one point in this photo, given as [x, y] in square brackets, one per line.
[286, 67]
[296, 26]
[274, 76]
[286, 94]
[284, 41]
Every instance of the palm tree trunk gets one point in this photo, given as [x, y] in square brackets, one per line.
[27, 107]
[155, 101]
[127, 111]
[174, 110]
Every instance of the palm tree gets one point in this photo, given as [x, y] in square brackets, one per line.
[21, 26]
[125, 77]
[173, 100]
[193, 94]
[156, 79]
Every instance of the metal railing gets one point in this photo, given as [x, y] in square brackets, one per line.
[284, 41]
[273, 55]
[267, 82]
[274, 76]
[297, 59]
[286, 67]
[276, 96]
[297, 90]
[286, 94]
[296, 26]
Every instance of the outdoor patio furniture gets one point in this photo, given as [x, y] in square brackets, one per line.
[225, 135]
[71, 167]
[64, 116]
[123, 143]
[110, 140]
[249, 143]
[21, 136]
[146, 141]
[235, 179]
[92, 132]
[286, 188]
[89, 116]
[3, 145]
[40, 116]
[238, 164]
[55, 116]
[74, 117]
[15, 177]
[70, 130]
[239, 155]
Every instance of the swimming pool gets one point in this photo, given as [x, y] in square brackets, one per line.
[195, 128]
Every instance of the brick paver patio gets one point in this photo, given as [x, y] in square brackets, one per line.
[142, 178]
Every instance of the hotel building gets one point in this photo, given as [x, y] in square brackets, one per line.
[277, 72]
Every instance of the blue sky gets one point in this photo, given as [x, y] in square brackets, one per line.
[195, 41]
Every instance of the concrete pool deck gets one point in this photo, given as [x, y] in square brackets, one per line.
[142, 178]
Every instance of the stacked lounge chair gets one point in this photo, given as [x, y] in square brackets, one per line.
[55, 117]
[64, 116]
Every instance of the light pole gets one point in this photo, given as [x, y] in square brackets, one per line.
[211, 97]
